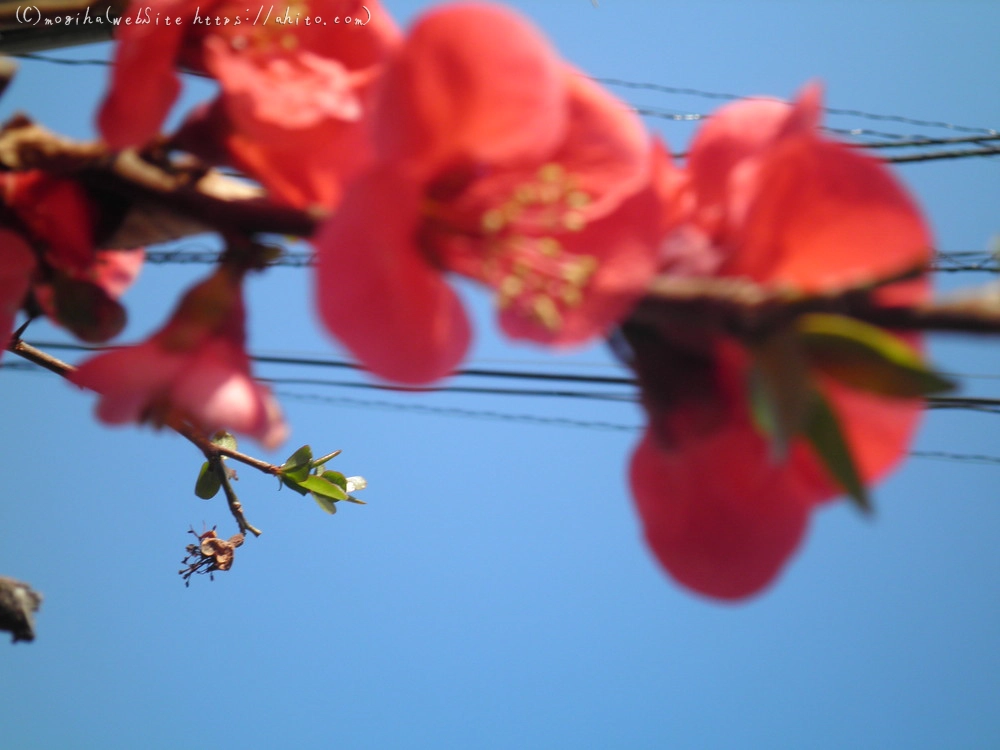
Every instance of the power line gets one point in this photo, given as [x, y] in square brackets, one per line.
[967, 403]
[935, 141]
[944, 261]
[905, 140]
[966, 260]
[897, 140]
[344, 364]
[939, 155]
[968, 458]
[630, 397]
[685, 91]
[973, 458]
[986, 405]
[461, 412]
[60, 60]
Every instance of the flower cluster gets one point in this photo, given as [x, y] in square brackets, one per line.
[468, 147]
[764, 196]
[50, 229]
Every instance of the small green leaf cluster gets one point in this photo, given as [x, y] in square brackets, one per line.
[309, 476]
[209, 482]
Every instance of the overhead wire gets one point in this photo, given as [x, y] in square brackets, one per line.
[521, 418]
[946, 261]
[907, 140]
[858, 113]
[949, 262]
[985, 404]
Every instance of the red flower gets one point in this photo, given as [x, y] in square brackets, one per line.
[56, 214]
[498, 162]
[765, 197]
[292, 94]
[74, 285]
[195, 368]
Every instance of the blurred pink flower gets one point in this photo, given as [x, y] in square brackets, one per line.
[74, 284]
[292, 95]
[498, 162]
[765, 197]
[195, 368]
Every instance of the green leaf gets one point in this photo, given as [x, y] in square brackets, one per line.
[320, 461]
[337, 478]
[325, 504]
[225, 440]
[352, 499]
[824, 434]
[291, 483]
[208, 484]
[865, 357]
[779, 389]
[323, 487]
[761, 409]
[297, 466]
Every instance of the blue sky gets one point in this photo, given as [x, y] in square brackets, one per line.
[495, 592]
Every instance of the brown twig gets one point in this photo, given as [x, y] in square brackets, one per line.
[210, 449]
[235, 506]
[166, 200]
[213, 453]
[748, 310]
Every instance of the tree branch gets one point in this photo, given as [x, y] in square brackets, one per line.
[235, 506]
[213, 453]
[18, 604]
[748, 310]
[166, 200]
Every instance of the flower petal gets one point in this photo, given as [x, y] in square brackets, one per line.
[303, 161]
[144, 84]
[378, 294]
[58, 214]
[217, 391]
[471, 83]
[717, 514]
[116, 270]
[606, 149]
[366, 40]
[292, 91]
[879, 430]
[827, 216]
[734, 134]
[128, 379]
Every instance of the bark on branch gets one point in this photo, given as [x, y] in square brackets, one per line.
[18, 604]
[163, 198]
[747, 310]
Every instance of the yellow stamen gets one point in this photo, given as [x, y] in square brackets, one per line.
[545, 310]
[510, 287]
[574, 221]
[493, 220]
[572, 296]
[551, 173]
[549, 246]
